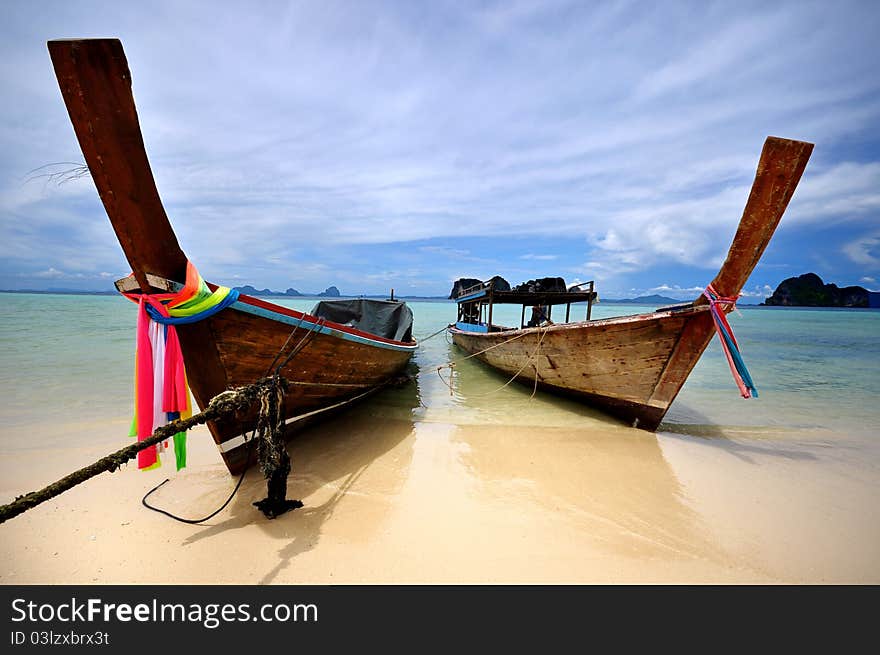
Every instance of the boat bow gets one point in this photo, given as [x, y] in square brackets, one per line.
[635, 366]
[333, 366]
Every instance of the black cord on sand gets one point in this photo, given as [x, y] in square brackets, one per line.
[274, 460]
[209, 516]
[190, 521]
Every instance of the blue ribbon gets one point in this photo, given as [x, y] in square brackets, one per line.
[230, 298]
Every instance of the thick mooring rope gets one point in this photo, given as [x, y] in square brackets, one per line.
[225, 403]
[271, 451]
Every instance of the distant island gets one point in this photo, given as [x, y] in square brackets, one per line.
[644, 300]
[808, 290]
[329, 292]
[248, 290]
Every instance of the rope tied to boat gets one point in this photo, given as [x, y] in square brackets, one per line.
[274, 459]
[719, 306]
[161, 389]
[272, 451]
[431, 336]
[531, 359]
[228, 402]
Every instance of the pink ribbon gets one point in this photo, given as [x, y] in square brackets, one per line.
[174, 387]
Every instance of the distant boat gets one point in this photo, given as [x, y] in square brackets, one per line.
[632, 366]
[347, 349]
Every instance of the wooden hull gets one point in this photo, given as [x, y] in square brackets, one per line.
[631, 367]
[634, 367]
[238, 346]
[235, 347]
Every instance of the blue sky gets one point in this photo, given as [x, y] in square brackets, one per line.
[372, 145]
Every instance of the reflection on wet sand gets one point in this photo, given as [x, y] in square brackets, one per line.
[573, 477]
[611, 485]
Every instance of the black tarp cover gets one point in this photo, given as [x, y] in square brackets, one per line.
[386, 318]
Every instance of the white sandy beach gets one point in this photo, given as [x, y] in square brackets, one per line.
[397, 501]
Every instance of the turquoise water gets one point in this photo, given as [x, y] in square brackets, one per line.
[68, 360]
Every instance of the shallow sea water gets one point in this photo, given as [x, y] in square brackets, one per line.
[70, 358]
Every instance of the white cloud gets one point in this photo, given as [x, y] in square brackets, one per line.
[666, 288]
[758, 292]
[456, 253]
[844, 192]
[737, 43]
[52, 273]
[865, 250]
[49, 274]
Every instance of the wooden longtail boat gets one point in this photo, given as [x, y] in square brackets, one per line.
[632, 366]
[337, 364]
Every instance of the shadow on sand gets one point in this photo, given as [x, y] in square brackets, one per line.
[327, 459]
[730, 438]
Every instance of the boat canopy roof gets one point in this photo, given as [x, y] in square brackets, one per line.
[527, 297]
[385, 318]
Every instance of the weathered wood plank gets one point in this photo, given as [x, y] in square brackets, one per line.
[96, 85]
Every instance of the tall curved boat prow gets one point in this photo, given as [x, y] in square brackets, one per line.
[336, 363]
[633, 366]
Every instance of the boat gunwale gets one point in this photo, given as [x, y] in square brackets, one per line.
[126, 285]
[580, 325]
[313, 323]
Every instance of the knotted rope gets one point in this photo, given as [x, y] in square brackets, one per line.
[271, 451]
[532, 359]
[717, 306]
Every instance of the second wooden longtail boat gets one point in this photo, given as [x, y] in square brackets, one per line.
[340, 353]
[633, 366]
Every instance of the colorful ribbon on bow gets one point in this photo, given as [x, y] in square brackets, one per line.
[161, 390]
[728, 342]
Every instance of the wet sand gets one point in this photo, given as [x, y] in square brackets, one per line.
[398, 500]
